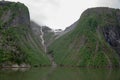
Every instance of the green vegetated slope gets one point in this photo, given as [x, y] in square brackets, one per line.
[91, 43]
[18, 43]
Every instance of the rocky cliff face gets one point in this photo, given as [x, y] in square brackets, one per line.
[68, 29]
[48, 33]
[110, 29]
[8, 16]
[35, 28]
[18, 43]
[94, 42]
[112, 36]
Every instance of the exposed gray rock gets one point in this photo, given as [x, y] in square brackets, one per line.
[6, 16]
[71, 27]
[68, 29]
[35, 28]
[23, 17]
[112, 36]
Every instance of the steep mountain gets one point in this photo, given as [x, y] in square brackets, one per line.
[48, 34]
[94, 42]
[19, 43]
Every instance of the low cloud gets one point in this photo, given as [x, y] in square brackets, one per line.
[109, 3]
[62, 13]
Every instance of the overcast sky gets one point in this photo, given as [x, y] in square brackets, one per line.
[59, 14]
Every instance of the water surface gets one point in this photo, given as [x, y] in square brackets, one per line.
[47, 73]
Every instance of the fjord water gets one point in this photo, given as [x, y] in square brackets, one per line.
[46, 73]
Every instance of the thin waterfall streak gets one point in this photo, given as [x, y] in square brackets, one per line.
[45, 49]
[42, 38]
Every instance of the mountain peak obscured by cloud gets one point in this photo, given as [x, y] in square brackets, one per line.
[59, 14]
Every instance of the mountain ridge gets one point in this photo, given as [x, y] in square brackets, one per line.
[87, 44]
[92, 41]
[18, 43]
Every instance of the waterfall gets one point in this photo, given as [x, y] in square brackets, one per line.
[42, 38]
[44, 46]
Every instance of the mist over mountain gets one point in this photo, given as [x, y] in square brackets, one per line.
[92, 41]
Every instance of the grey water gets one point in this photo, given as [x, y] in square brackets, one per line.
[47, 73]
